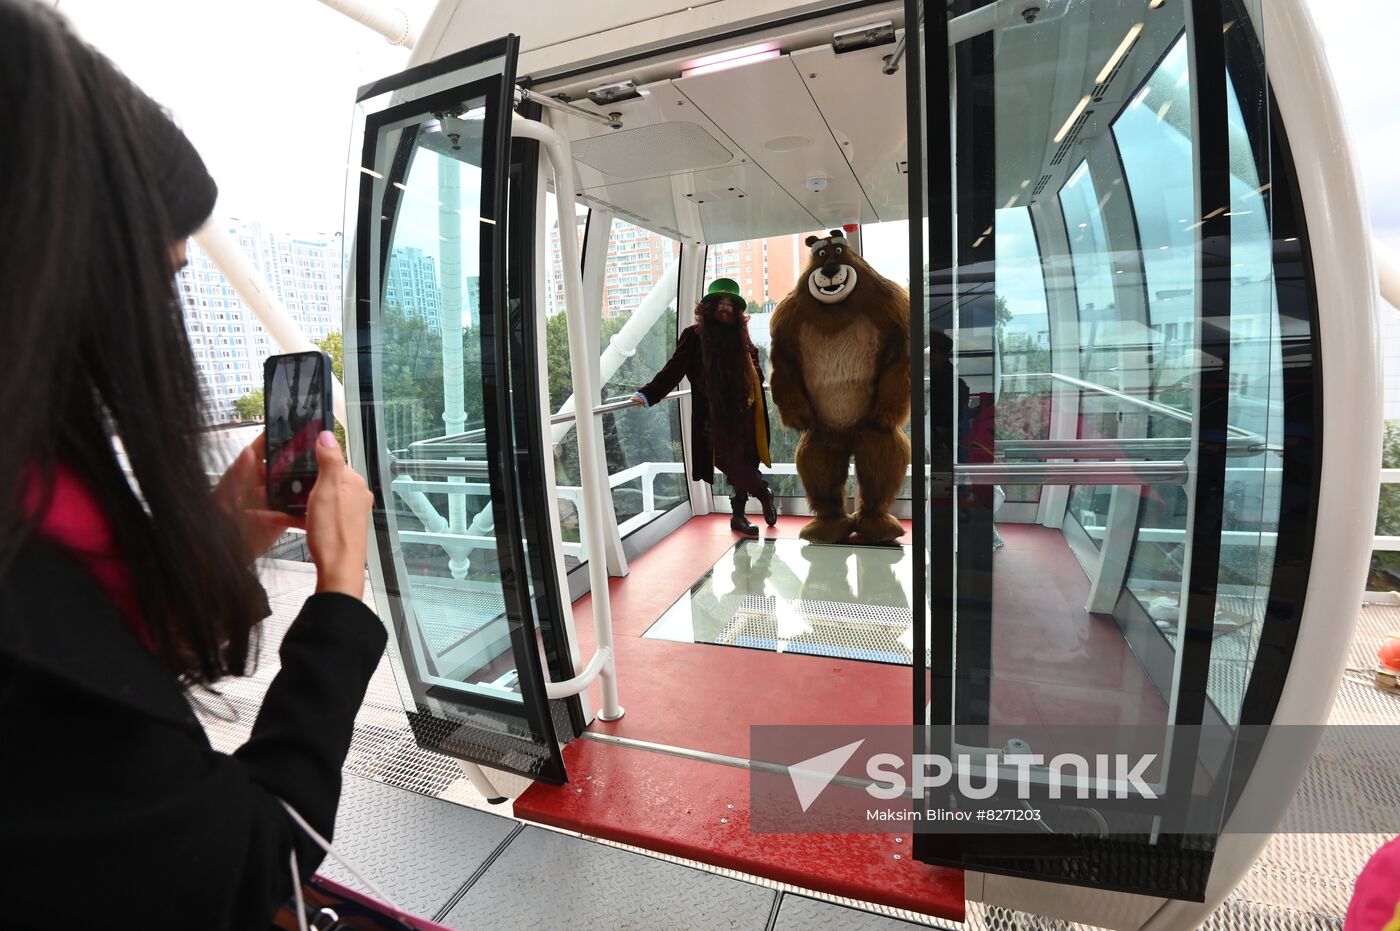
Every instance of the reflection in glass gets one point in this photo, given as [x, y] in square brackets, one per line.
[787, 596]
[1101, 335]
[429, 398]
[1023, 337]
[1154, 140]
[1153, 136]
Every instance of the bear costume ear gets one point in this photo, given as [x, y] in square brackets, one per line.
[811, 239]
[838, 234]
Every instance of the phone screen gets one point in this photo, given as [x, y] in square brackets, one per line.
[294, 392]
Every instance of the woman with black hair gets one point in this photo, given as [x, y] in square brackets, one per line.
[117, 594]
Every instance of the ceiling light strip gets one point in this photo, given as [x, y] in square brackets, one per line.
[1119, 53]
[1079, 108]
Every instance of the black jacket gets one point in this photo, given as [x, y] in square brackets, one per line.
[116, 812]
[688, 361]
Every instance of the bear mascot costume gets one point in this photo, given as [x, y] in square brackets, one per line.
[840, 358]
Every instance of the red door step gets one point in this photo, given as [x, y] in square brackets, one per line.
[697, 810]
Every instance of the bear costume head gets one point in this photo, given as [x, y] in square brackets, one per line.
[836, 282]
[831, 273]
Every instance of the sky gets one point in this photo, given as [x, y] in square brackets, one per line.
[265, 89]
[1361, 39]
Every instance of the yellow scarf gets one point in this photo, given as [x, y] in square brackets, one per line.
[760, 423]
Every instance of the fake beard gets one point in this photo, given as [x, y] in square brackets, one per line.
[725, 352]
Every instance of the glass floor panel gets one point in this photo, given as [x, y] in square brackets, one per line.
[788, 596]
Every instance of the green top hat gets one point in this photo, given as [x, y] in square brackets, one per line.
[724, 286]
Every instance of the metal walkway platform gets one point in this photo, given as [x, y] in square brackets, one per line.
[414, 823]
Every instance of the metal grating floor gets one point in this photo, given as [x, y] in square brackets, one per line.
[877, 633]
[1301, 882]
[448, 614]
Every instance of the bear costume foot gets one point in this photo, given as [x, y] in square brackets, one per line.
[878, 527]
[827, 529]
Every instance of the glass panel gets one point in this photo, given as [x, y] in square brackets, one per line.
[1023, 338]
[786, 596]
[1154, 139]
[1253, 477]
[1155, 147]
[1101, 334]
[424, 328]
[432, 350]
[645, 450]
[1083, 166]
[561, 388]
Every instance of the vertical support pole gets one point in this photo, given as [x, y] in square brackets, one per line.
[596, 238]
[594, 483]
[454, 413]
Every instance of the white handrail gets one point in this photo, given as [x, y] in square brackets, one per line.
[591, 476]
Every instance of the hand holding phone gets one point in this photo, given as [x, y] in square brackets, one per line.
[337, 522]
[297, 405]
[242, 490]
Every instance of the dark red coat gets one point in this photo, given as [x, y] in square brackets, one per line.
[688, 362]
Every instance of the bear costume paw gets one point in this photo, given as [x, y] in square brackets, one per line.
[877, 527]
[828, 529]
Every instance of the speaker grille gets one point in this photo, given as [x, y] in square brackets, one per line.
[646, 151]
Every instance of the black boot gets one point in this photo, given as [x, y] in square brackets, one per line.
[739, 523]
[770, 506]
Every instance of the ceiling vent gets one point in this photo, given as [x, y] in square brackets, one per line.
[599, 204]
[1071, 137]
[1040, 186]
[648, 151]
[1101, 89]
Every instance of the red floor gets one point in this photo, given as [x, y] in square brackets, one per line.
[1054, 664]
[682, 807]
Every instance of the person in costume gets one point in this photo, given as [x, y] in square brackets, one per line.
[728, 411]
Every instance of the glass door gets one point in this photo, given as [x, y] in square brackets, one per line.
[448, 420]
[1132, 386]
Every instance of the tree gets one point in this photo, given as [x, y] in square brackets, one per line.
[334, 346]
[250, 406]
[1003, 314]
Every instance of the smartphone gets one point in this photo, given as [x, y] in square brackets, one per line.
[297, 407]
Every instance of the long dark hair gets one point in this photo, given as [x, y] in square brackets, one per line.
[96, 349]
[726, 352]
